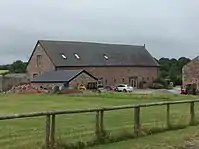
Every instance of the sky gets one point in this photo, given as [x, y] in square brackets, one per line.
[169, 28]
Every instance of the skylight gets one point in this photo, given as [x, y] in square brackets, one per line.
[77, 56]
[106, 57]
[63, 56]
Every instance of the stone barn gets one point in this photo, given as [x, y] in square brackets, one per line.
[111, 64]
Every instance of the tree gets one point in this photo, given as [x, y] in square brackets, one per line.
[172, 69]
[183, 61]
[18, 67]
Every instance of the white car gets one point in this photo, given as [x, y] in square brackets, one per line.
[124, 88]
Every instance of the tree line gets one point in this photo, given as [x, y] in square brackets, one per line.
[170, 69]
[16, 67]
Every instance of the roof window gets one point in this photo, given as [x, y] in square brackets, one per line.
[105, 56]
[63, 56]
[77, 56]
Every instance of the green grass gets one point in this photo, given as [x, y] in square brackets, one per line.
[29, 133]
[166, 140]
[3, 71]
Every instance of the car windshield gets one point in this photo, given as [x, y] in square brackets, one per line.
[121, 85]
[100, 86]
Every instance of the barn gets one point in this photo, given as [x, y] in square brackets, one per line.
[111, 64]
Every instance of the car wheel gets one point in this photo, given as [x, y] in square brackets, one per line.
[124, 90]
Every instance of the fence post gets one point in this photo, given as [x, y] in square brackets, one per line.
[192, 112]
[136, 120]
[97, 127]
[52, 134]
[168, 116]
[101, 122]
[47, 135]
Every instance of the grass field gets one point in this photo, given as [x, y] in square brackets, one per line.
[166, 140]
[29, 133]
[3, 71]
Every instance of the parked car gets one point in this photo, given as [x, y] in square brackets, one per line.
[100, 88]
[124, 88]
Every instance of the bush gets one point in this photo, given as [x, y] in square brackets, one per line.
[160, 83]
[157, 86]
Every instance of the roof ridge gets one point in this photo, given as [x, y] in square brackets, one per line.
[92, 42]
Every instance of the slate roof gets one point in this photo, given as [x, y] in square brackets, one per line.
[58, 76]
[93, 54]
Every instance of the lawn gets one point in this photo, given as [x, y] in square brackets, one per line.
[29, 133]
[3, 71]
[166, 140]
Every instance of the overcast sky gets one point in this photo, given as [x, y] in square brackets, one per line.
[169, 28]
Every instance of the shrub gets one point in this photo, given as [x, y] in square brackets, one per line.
[157, 86]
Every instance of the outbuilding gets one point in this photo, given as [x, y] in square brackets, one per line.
[66, 78]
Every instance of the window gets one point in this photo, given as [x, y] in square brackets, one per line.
[39, 60]
[100, 81]
[35, 75]
[121, 85]
[77, 56]
[63, 56]
[105, 56]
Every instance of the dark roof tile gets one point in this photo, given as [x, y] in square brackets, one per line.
[92, 54]
[57, 76]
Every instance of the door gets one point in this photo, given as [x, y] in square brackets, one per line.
[133, 81]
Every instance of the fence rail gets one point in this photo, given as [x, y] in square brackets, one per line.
[99, 128]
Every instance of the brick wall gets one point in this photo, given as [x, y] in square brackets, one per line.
[46, 63]
[116, 75]
[81, 79]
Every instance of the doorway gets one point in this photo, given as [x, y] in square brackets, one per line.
[133, 81]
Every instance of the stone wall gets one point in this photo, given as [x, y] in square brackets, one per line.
[115, 75]
[46, 63]
[190, 72]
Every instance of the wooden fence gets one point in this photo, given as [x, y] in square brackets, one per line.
[51, 117]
